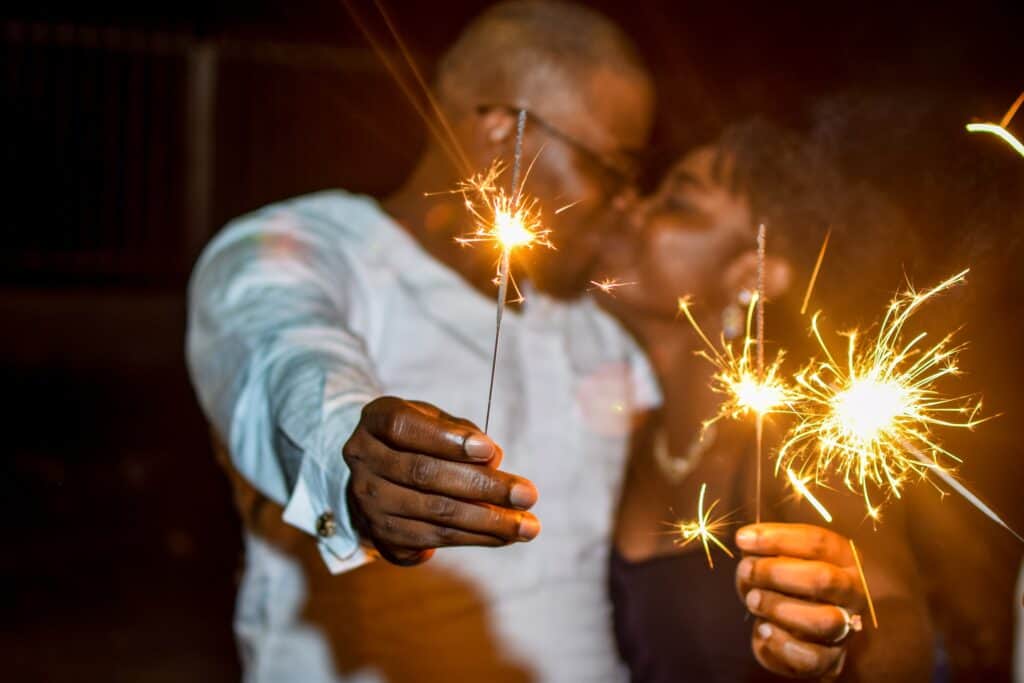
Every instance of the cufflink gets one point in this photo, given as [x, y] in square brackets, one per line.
[325, 524]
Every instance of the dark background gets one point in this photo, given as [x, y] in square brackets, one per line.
[131, 132]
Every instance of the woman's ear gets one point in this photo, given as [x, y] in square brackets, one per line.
[741, 274]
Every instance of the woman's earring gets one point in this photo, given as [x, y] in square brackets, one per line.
[733, 319]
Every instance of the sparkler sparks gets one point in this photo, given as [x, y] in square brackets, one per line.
[607, 285]
[509, 221]
[703, 528]
[745, 389]
[861, 420]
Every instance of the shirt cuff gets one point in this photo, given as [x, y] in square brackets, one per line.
[318, 496]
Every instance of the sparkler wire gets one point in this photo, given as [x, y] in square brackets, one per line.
[506, 254]
[759, 417]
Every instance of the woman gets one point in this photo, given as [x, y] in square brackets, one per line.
[675, 618]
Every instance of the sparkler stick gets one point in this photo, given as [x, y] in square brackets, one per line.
[506, 257]
[759, 416]
[703, 528]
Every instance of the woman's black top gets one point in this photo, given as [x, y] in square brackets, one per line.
[676, 620]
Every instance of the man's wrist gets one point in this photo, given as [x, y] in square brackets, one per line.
[361, 527]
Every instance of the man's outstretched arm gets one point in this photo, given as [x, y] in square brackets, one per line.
[282, 372]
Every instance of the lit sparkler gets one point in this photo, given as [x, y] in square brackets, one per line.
[746, 390]
[510, 221]
[865, 419]
[703, 528]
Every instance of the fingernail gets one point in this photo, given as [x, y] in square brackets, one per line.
[746, 538]
[522, 496]
[746, 568]
[753, 599]
[478, 447]
[764, 629]
[529, 527]
[800, 654]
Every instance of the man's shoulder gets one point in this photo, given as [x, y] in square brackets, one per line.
[329, 213]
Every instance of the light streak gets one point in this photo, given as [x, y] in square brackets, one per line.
[703, 528]
[800, 486]
[1008, 116]
[864, 584]
[999, 132]
[814, 273]
[968, 495]
[857, 420]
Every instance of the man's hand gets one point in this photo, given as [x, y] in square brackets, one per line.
[422, 479]
[801, 582]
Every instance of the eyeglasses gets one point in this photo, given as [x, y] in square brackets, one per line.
[619, 170]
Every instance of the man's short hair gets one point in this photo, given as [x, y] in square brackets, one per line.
[524, 48]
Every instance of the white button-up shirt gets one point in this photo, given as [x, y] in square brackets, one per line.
[304, 311]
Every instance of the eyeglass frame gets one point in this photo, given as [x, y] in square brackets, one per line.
[622, 178]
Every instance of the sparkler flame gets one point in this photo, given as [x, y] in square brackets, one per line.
[746, 390]
[864, 420]
[703, 528]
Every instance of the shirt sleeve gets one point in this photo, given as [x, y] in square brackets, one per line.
[278, 367]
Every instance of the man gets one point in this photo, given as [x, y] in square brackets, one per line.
[332, 339]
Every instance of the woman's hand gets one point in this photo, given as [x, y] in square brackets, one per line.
[802, 584]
